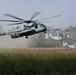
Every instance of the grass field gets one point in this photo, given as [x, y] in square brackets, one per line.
[40, 61]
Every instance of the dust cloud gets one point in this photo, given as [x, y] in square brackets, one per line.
[35, 41]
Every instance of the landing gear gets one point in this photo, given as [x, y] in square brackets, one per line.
[36, 26]
[26, 36]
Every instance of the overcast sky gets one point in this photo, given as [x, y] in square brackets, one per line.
[25, 8]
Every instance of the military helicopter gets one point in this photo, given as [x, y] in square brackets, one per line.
[18, 32]
[65, 44]
[34, 28]
[59, 36]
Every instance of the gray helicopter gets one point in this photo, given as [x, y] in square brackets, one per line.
[34, 28]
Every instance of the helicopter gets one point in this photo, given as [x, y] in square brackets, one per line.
[59, 36]
[18, 32]
[34, 28]
[65, 44]
[28, 32]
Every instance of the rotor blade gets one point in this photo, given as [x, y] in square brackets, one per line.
[47, 21]
[13, 16]
[34, 15]
[15, 24]
[9, 20]
[48, 17]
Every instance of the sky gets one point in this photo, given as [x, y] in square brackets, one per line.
[25, 9]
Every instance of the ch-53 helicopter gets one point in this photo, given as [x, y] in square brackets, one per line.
[59, 36]
[34, 28]
[65, 44]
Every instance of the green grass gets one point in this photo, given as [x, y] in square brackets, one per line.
[40, 61]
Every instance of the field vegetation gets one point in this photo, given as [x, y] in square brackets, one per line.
[38, 61]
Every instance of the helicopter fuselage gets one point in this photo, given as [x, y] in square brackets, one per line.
[27, 33]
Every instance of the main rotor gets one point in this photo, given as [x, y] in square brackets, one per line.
[21, 21]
